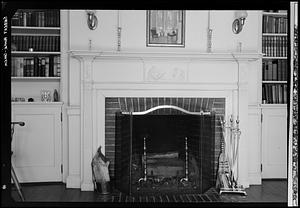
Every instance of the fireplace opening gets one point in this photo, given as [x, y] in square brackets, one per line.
[164, 153]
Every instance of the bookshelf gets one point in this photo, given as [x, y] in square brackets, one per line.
[36, 53]
[274, 61]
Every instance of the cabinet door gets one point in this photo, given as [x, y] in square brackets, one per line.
[274, 143]
[37, 145]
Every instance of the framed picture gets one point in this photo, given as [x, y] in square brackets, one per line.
[165, 28]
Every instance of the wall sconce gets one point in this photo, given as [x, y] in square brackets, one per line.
[239, 21]
[92, 20]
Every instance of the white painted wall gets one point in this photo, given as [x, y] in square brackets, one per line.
[133, 23]
[133, 39]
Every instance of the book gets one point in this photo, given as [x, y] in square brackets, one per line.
[277, 93]
[270, 98]
[40, 74]
[55, 66]
[30, 67]
[58, 66]
[273, 93]
[274, 70]
[263, 70]
[270, 71]
[284, 70]
[51, 71]
[35, 71]
[279, 67]
[267, 46]
[19, 66]
[284, 93]
[25, 69]
[43, 67]
[46, 66]
[264, 92]
[280, 94]
[264, 24]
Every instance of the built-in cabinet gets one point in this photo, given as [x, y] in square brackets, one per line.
[274, 142]
[37, 146]
[274, 93]
[36, 94]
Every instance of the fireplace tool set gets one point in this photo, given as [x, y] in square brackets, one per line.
[184, 181]
[227, 176]
[231, 136]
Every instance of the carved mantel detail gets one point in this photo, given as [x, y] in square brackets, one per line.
[165, 73]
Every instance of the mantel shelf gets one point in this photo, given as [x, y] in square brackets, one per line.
[226, 56]
[37, 103]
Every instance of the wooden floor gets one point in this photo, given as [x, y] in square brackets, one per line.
[271, 191]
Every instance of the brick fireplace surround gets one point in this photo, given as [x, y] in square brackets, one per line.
[108, 77]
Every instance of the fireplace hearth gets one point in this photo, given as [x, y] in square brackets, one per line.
[158, 153]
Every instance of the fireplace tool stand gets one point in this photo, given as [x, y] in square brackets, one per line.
[186, 178]
[232, 152]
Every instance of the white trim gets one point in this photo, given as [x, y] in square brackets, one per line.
[254, 178]
[73, 181]
[73, 110]
[225, 56]
[142, 86]
[87, 186]
[38, 103]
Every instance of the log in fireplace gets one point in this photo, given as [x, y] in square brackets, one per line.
[164, 153]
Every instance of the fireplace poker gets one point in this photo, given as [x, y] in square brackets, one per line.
[186, 178]
[145, 163]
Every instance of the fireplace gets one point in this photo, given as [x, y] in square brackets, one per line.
[165, 152]
[137, 81]
[115, 105]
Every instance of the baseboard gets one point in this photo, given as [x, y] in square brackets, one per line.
[274, 179]
[73, 181]
[244, 183]
[40, 183]
[87, 186]
[254, 178]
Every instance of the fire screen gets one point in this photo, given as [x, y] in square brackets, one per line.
[164, 153]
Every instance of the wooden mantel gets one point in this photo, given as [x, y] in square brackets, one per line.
[221, 56]
[152, 73]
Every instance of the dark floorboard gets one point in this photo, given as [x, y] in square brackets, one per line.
[270, 191]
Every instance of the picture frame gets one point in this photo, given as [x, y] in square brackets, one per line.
[165, 28]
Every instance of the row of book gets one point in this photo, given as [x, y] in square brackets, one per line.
[35, 66]
[273, 24]
[274, 46]
[274, 93]
[35, 43]
[274, 70]
[36, 18]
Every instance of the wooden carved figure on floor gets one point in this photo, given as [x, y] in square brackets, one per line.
[100, 172]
